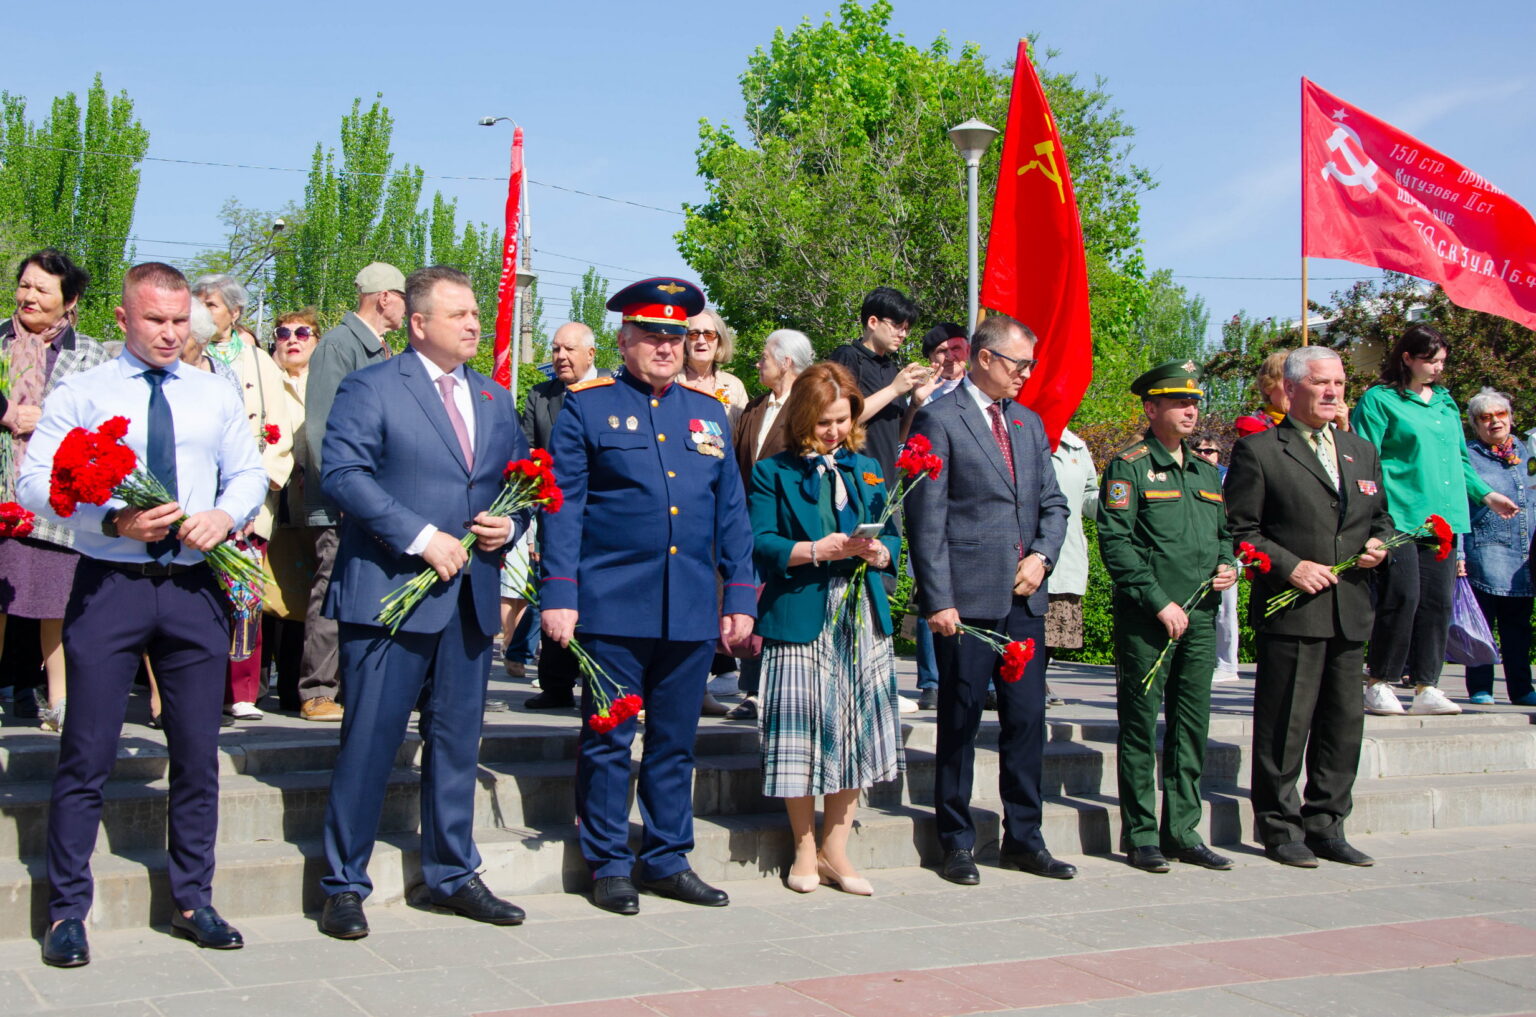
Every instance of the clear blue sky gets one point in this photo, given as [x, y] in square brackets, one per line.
[610, 94]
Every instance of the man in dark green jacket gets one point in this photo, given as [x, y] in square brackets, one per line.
[1163, 533]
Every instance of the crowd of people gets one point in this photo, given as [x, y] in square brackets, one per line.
[703, 532]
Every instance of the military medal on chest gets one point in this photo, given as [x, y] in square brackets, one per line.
[708, 437]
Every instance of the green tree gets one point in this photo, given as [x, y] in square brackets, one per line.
[72, 183]
[847, 180]
[589, 299]
[250, 242]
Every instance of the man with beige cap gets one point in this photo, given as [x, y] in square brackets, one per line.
[357, 342]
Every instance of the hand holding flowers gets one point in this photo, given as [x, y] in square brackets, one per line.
[1312, 577]
[1253, 561]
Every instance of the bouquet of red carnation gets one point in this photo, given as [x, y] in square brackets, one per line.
[1433, 528]
[613, 707]
[93, 466]
[1253, 561]
[270, 433]
[525, 483]
[15, 521]
[915, 461]
[1015, 654]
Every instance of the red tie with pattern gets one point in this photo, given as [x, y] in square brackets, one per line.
[1000, 432]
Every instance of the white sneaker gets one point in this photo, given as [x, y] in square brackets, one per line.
[905, 705]
[1429, 699]
[245, 711]
[1222, 675]
[1380, 699]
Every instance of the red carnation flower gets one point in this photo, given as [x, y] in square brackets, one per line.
[1015, 656]
[1444, 538]
[15, 521]
[919, 443]
[626, 707]
[271, 433]
[603, 722]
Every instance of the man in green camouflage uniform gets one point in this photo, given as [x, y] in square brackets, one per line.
[1162, 533]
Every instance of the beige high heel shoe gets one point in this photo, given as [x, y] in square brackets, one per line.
[856, 885]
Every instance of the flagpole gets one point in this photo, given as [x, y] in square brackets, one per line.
[1302, 134]
[1304, 333]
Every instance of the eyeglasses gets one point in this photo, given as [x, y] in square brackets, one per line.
[1020, 365]
[284, 332]
[1208, 451]
[705, 333]
[1488, 418]
[901, 329]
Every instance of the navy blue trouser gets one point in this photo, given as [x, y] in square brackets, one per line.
[113, 618]
[385, 676]
[670, 677]
[966, 668]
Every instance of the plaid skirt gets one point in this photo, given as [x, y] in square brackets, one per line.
[829, 716]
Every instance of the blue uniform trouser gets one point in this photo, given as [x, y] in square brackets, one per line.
[670, 677]
[385, 676]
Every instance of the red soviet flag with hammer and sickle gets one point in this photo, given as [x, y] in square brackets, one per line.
[1036, 270]
[1376, 196]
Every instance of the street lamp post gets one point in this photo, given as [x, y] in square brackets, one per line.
[971, 140]
[524, 276]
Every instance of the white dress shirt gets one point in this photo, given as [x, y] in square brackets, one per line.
[217, 462]
[770, 413]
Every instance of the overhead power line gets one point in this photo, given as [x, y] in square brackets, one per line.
[1282, 278]
[364, 173]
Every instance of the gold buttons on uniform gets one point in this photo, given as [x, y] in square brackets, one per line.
[655, 402]
[674, 510]
[671, 474]
[672, 550]
[661, 437]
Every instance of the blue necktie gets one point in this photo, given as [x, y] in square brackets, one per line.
[161, 451]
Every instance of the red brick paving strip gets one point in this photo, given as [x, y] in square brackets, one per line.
[981, 988]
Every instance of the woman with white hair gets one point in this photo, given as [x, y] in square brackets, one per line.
[272, 427]
[710, 343]
[1498, 551]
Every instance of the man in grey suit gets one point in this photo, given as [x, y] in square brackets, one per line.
[357, 342]
[983, 536]
[573, 354]
[1309, 496]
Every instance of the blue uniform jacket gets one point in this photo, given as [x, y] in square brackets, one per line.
[652, 522]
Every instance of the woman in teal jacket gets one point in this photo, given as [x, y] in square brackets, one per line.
[1415, 423]
[829, 716]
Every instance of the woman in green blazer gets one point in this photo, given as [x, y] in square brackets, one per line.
[829, 714]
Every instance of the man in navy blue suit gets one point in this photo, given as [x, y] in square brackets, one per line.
[654, 527]
[414, 453]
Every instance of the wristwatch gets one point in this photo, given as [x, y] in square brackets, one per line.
[1043, 560]
[109, 523]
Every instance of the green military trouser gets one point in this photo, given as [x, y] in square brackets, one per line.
[1183, 688]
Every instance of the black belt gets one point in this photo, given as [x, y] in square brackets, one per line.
[152, 569]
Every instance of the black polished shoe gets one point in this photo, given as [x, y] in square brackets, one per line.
[475, 900]
[959, 867]
[342, 916]
[616, 894]
[687, 887]
[1037, 863]
[1292, 852]
[207, 929]
[1147, 858]
[928, 699]
[549, 701]
[1202, 856]
[1337, 849]
[65, 946]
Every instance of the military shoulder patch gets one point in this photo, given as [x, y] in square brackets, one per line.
[1130, 455]
[1119, 494]
[582, 386]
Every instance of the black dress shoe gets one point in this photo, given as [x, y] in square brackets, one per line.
[65, 947]
[959, 867]
[616, 894]
[1337, 849]
[207, 929]
[343, 916]
[1147, 858]
[1292, 852]
[687, 887]
[1202, 856]
[549, 701]
[1037, 863]
[928, 699]
[475, 900]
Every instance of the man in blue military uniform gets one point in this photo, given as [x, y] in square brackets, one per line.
[654, 520]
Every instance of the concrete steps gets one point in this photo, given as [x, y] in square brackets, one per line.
[1416, 773]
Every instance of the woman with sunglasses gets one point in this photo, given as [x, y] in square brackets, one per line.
[710, 343]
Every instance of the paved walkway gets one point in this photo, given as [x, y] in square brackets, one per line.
[1444, 924]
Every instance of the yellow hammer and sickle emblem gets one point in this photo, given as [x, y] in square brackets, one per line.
[670, 288]
[1047, 167]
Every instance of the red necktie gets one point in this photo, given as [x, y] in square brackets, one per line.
[1000, 432]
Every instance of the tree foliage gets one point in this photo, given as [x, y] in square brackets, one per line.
[72, 183]
[846, 180]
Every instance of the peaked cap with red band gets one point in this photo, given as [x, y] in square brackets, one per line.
[661, 305]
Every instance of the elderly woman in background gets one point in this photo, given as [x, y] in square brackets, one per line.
[1426, 469]
[758, 435]
[266, 407]
[1498, 550]
[830, 724]
[711, 343]
[41, 348]
[1271, 385]
[291, 551]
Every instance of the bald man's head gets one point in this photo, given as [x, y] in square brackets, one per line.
[572, 351]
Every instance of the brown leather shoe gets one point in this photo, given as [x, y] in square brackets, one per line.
[321, 708]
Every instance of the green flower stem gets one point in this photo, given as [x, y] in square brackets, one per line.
[1157, 665]
[1286, 598]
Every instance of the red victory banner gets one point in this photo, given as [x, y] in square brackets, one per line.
[1035, 270]
[1376, 196]
[506, 291]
